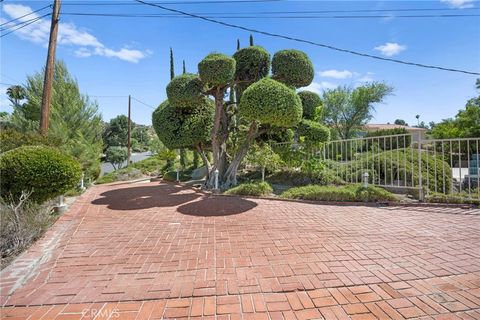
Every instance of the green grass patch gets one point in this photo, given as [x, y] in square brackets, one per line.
[251, 189]
[339, 193]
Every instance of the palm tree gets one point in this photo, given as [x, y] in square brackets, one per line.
[16, 94]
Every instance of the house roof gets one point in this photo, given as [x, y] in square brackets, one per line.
[383, 126]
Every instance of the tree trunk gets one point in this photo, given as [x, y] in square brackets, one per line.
[219, 139]
[206, 163]
[230, 178]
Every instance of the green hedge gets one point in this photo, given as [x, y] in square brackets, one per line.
[311, 102]
[11, 139]
[251, 189]
[345, 193]
[216, 69]
[271, 102]
[313, 131]
[292, 67]
[178, 129]
[185, 90]
[43, 170]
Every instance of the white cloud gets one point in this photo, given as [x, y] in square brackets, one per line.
[319, 87]
[391, 49]
[68, 34]
[460, 4]
[367, 77]
[336, 74]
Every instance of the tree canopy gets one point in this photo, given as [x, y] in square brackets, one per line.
[346, 110]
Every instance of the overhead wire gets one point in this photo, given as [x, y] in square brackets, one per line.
[26, 15]
[327, 46]
[25, 25]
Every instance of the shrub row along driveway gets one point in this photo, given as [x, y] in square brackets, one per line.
[158, 250]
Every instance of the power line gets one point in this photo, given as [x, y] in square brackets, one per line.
[167, 16]
[24, 25]
[16, 25]
[270, 34]
[145, 104]
[175, 2]
[25, 15]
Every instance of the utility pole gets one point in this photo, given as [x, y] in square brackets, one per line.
[129, 142]
[49, 69]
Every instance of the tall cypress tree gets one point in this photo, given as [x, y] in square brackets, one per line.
[238, 44]
[251, 40]
[184, 69]
[172, 67]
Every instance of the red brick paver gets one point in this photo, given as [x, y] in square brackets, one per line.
[153, 251]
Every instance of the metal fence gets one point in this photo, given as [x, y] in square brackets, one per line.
[442, 166]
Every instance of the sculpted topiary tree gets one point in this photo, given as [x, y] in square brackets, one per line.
[258, 106]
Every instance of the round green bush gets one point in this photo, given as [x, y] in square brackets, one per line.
[252, 64]
[310, 102]
[313, 131]
[216, 69]
[271, 102]
[185, 90]
[44, 171]
[180, 128]
[292, 67]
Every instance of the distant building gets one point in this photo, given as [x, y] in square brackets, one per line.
[417, 133]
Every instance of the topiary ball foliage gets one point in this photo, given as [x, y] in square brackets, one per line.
[271, 102]
[185, 90]
[313, 131]
[310, 102]
[178, 128]
[292, 67]
[252, 64]
[216, 69]
[45, 171]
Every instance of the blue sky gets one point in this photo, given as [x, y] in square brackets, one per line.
[121, 56]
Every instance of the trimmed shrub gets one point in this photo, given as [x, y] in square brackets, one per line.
[302, 178]
[251, 189]
[388, 143]
[172, 176]
[43, 170]
[11, 139]
[346, 193]
[185, 90]
[457, 198]
[177, 128]
[252, 64]
[292, 67]
[310, 103]
[313, 131]
[271, 102]
[275, 134]
[216, 69]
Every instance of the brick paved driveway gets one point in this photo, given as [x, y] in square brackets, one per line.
[152, 251]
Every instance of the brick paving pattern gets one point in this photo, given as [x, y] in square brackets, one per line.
[159, 251]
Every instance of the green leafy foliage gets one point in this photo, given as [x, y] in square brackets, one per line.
[251, 189]
[74, 119]
[458, 198]
[346, 110]
[313, 131]
[116, 156]
[178, 128]
[292, 67]
[387, 143]
[252, 64]
[216, 69]
[271, 102]
[185, 90]
[116, 132]
[45, 171]
[345, 193]
[466, 123]
[263, 156]
[311, 103]
[11, 139]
